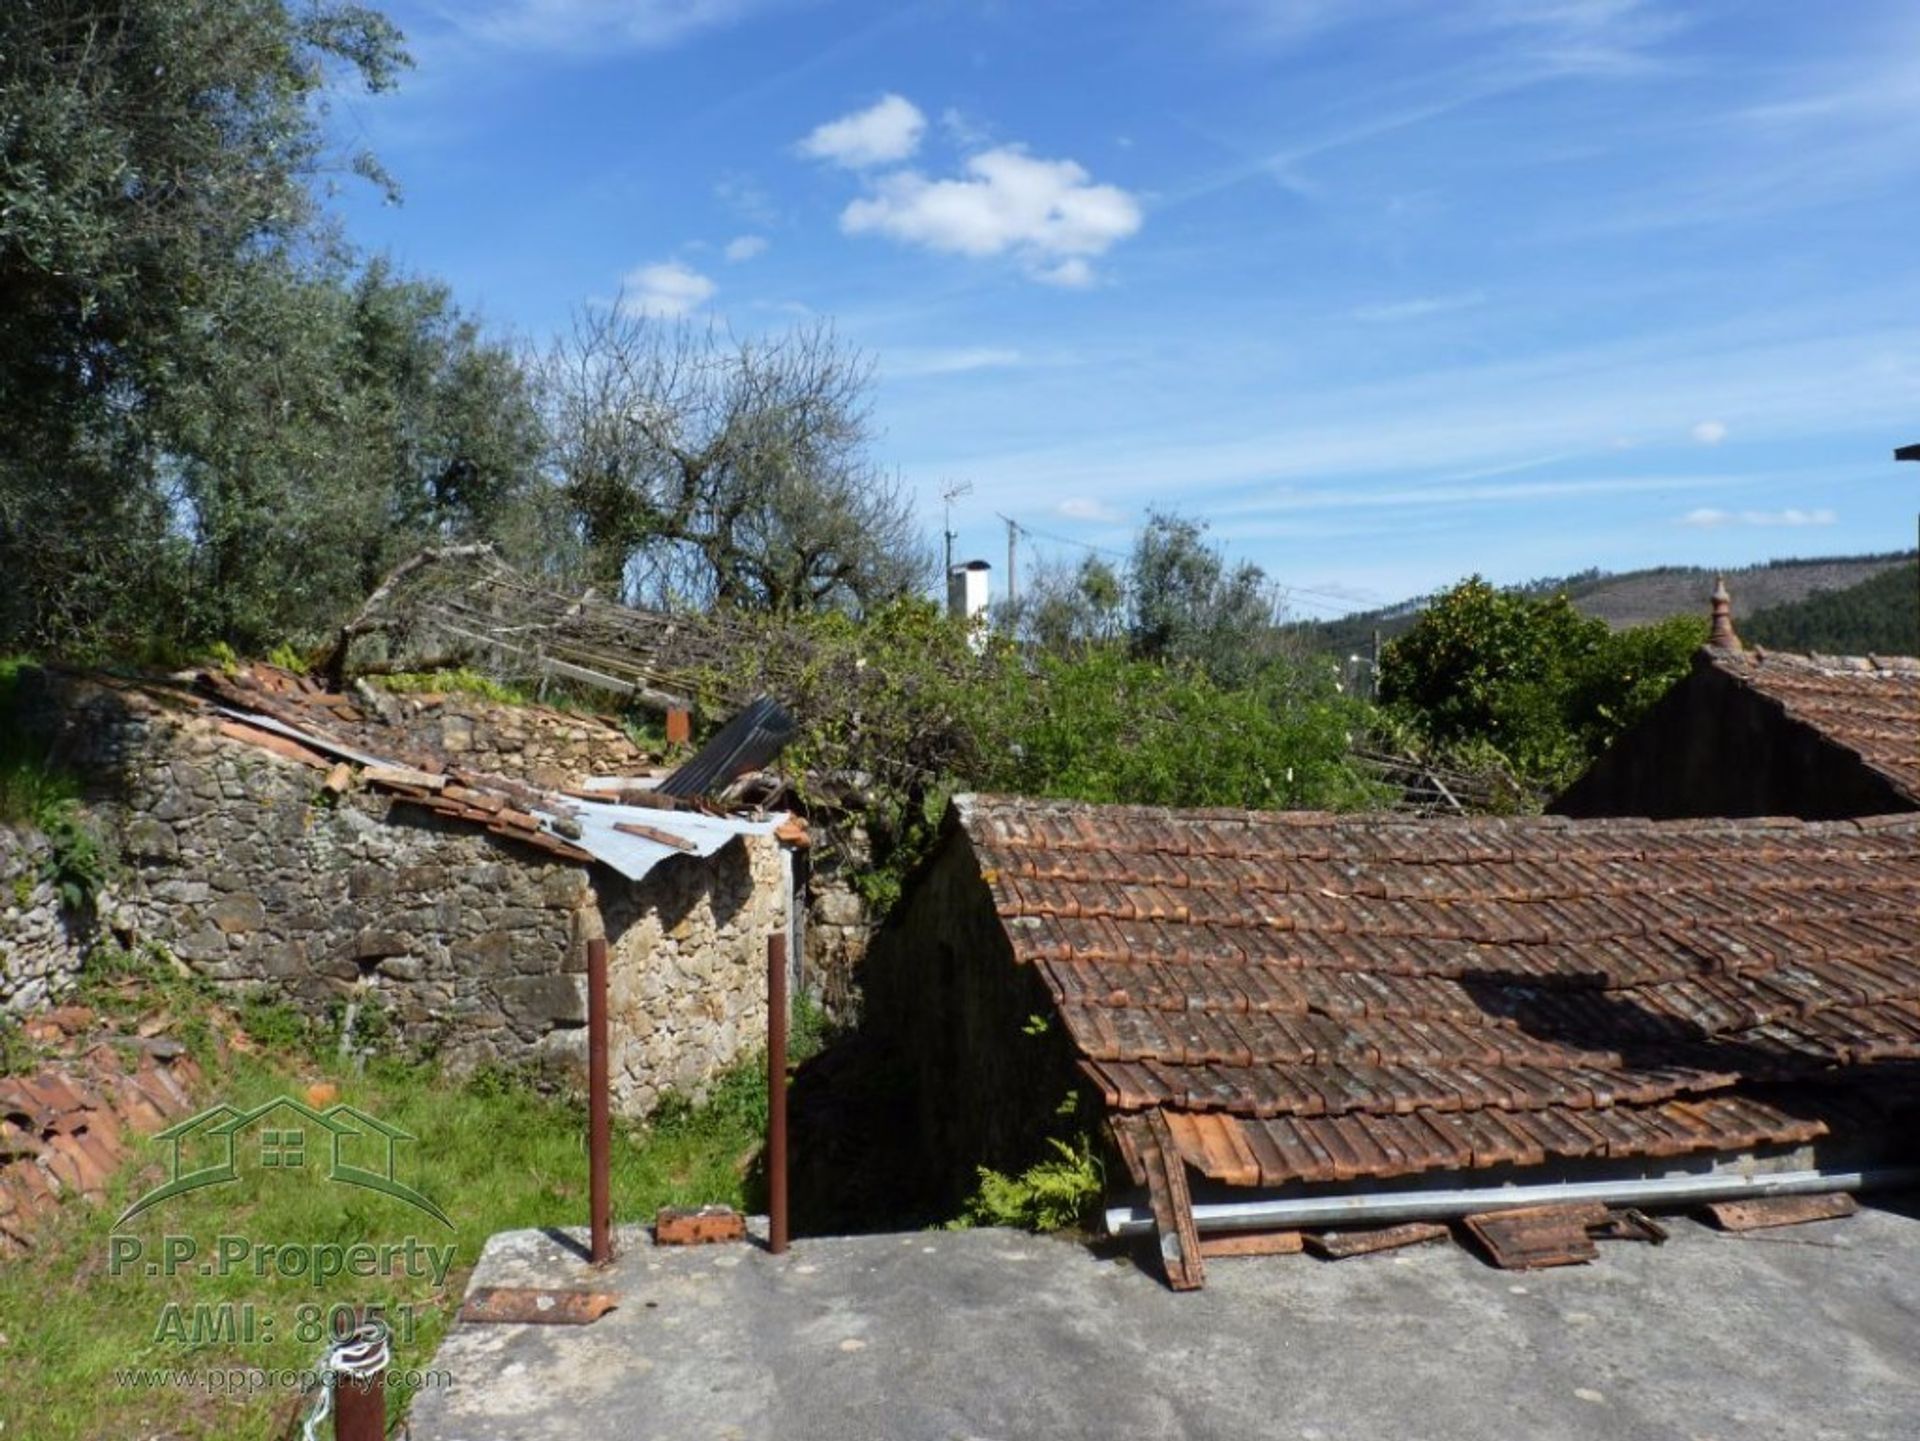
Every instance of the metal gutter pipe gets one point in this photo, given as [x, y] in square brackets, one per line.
[1364, 1208]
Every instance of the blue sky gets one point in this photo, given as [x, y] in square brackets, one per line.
[1386, 290]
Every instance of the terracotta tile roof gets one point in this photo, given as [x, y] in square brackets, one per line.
[1306, 997]
[1868, 704]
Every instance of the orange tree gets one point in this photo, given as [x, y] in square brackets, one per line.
[1545, 686]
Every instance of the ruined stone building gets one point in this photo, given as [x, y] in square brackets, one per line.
[438, 862]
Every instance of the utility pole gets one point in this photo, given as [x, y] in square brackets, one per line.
[1013, 535]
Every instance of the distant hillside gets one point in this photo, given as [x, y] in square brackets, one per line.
[1637, 597]
[1879, 616]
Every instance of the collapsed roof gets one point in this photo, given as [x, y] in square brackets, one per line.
[628, 825]
[1272, 999]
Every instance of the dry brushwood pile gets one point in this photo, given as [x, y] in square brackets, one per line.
[464, 606]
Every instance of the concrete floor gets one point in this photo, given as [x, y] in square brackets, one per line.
[1811, 1332]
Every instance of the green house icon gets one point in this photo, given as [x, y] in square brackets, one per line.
[343, 1143]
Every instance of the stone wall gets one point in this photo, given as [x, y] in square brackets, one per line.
[41, 943]
[942, 986]
[544, 747]
[687, 967]
[471, 946]
[839, 923]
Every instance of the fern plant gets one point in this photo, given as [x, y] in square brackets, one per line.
[1056, 1194]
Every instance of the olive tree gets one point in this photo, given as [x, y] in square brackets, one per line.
[155, 160]
[1190, 606]
[706, 469]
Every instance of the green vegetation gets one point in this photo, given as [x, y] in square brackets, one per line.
[77, 864]
[225, 424]
[18, 1055]
[37, 792]
[1541, 684]
[31, 787]
[1060, 1193]
[1094, 723]
[464, 681]
[493, 1153]
[1634, 597]
[1879, 616]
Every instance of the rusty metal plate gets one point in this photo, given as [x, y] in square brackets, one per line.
[1339, 1245]
[1252, 1243]
[1759, 1214]
[529, 1305]
[1530, 1237]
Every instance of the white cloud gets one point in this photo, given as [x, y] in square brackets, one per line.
[1710, 432]
[883, 134]
[1711, 518]
[585, 27]
[1079, 507]
[747, 199]
[1047, 213]
[1419, 308]
[1073, 273]
[745, 247]
[908, 362]
[666, 290]
[966, 132]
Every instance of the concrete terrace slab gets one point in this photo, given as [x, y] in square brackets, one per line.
[1812, 1332]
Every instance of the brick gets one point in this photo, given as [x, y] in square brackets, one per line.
[708, 1225]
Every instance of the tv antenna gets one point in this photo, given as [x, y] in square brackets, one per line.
[955, 490]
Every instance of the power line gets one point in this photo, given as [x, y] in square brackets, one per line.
[1287, 592]
[1033, 534]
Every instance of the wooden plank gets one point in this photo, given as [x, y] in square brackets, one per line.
[1767, 1211]
[1172, 1204]
[657, 836]
[402, 776]
[1252, 1243]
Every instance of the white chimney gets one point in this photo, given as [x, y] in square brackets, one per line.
[969, 588]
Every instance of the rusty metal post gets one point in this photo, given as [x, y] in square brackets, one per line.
[360, 1404]
[599, 1105]
[777, 1094]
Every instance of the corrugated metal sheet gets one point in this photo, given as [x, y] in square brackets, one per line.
[748, 742]
[634, 856]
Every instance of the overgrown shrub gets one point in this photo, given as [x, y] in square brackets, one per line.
[1545, 686]
[898, 712]
[76, 864]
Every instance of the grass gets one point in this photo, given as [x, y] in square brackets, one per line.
[492, 1153]
[32, 791]
[464, 681]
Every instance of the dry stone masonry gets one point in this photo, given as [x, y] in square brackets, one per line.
[254, 873]
[41, 942]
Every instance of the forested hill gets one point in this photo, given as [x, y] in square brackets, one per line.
[1879, 616]
[1776, 591]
